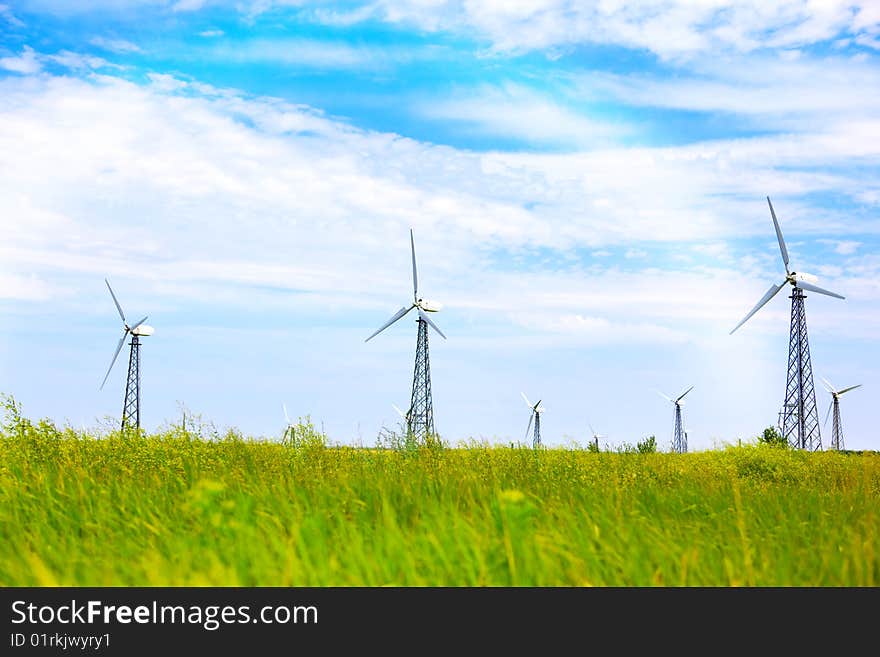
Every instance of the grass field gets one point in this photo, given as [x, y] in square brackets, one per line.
[172, 509]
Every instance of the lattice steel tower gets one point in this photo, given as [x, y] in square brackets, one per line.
[679, 439]
[834, 409]
[420, 417]
[420, 420]
[131, 406]
[131, 409]
[800, 419]
[679, 436]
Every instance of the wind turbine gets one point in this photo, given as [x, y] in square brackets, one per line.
[535, 415]
[836, 430]
[800, 425]
[420, 418]
[679, 436]
[595, 435]
[288, 430]
[131, 408]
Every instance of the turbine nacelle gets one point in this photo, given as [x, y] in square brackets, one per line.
[142, 330]
[803, 277]
[429, 306]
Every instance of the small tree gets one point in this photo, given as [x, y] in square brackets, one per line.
[647, 446]
[771, 436]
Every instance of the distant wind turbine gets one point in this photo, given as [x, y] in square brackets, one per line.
[679, 436]
[595, 435]
[836, 427]
[535, 414]
[131, 408]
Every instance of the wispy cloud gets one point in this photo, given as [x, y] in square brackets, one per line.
[312, 53]
[7, 15]
[671, 29]
[26, 63]
[807, 92]
[514, 111]
[843, 247]
[79, 61]
[119, 46]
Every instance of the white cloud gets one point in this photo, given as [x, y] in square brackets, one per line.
[313, 53]
[26, 63]
[120, 46]
[842, 247]
[211, 33]
[79, 62]
[804, 93]
[668, 28]
[7, 15]
[188, 5]
[31, 62]
[511, 110]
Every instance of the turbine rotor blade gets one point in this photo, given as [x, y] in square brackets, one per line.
[684, 393]
[118, 307]
[399, 412]
[528, 428]
[774, 289]
[433, 325]
[528, 403]
[848, 389]
[664, 396]
[132, 328]
[815, 288]
[782, 248]
[412, 244]
[828, 384]
[113, 362]
[286, 416]
[828, 413]
[400, 313]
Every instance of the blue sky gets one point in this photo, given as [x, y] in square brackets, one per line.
[586, 183]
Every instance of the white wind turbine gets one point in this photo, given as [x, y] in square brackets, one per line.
[679, 436]
[535, 414]
[836, 427]
[420, 417]
[288, 429]
[800, 425]
[595, 435]
[131, 407]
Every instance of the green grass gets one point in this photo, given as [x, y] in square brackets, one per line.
[172, 510]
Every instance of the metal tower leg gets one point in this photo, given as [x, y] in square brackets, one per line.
[421, 414]
[131, 409]
[801, 418]
[836, 430]
[536, 439]
[679, 442]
